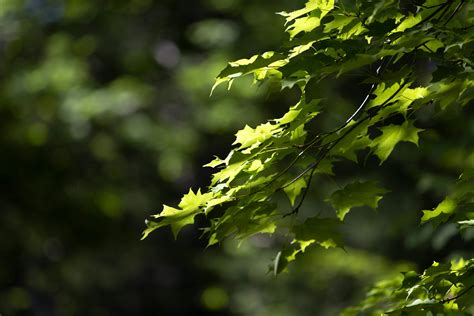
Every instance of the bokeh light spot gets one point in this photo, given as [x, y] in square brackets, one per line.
[215, 298]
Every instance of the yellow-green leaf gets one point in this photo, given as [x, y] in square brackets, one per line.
[391, 136]
[249, 137]
[294, 189]
[194, 201]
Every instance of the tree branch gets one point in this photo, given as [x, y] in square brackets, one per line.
[446, 8]
[457, 296]
[429, 17]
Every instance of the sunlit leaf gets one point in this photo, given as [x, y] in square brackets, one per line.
[391, 136]
[294, 190]
[250, 137]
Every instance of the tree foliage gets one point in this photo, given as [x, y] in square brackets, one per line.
[382, 43]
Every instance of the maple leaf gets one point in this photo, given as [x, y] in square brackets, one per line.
[354, 195]
[391, 136]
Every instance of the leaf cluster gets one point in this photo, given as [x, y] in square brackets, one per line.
[442, 289]
[332, 39]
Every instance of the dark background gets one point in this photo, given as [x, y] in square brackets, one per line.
[105, 115]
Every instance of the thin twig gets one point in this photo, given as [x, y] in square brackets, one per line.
[340, 138]
[454, 12]
[316, 163]
[357, 111]
[443, 8]
[318, 137]
[429, 17]
[457, 296]
[297, 208]
[446, 9]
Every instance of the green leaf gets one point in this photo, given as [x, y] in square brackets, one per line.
[255, 166]
[355, 139]
[284, 257]
[434, 45]
[325, 166]
[228, 174]
[215, 163]
[244, 66]
[194, 201]
[316, 10]
[289, 116]
[354, 195]
[310, 5]
[447, 92]
[441, 212]
[458, 205]
[442, 289]
[391, 136]
[404, 100]
[191, 204]
[323, 231]
[339, 23]
[408, 22]
[251, 138]
[383, 93]
[294, 189]
[243, 221]
[304, 24]
[254, 64]
[173, 217]
[355, 62]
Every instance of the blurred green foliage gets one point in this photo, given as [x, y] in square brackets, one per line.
[105, 113]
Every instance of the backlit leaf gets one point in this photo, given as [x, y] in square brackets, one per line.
[294, 189]
[250, 137]
[391, 136]
[354, 195]
[323, 231]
